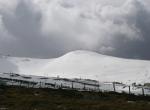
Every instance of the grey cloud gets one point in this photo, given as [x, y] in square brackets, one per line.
[136, 48]
[25, 26]
[49, 29]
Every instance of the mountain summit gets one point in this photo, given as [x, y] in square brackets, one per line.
[81, 64]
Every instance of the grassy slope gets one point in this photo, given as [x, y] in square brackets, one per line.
[15, 98]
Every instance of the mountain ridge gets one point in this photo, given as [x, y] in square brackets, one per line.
[84, 64]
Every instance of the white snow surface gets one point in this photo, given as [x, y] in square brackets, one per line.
[80, 64]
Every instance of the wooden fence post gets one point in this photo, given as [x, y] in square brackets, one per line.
[72, 84]
[40, 84]
[95, 87]
[114, 87]
[55, 85]
[20, 83]
[33, 85]
[84, 86]
[98, 87]
[28, 84]
[61, 86]
[143, 92]
[129, 90]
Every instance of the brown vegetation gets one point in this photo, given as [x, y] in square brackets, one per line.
[14, 98]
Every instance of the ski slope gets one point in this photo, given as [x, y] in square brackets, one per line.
[81, 64]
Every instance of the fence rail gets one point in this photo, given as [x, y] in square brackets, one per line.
[75, 85]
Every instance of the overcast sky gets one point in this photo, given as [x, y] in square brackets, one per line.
[51, 28]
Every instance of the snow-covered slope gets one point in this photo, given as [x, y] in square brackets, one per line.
[84, 64]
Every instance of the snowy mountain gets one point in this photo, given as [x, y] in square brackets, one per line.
[81, 64]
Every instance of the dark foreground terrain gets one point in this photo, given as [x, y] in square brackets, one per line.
[14, 98]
